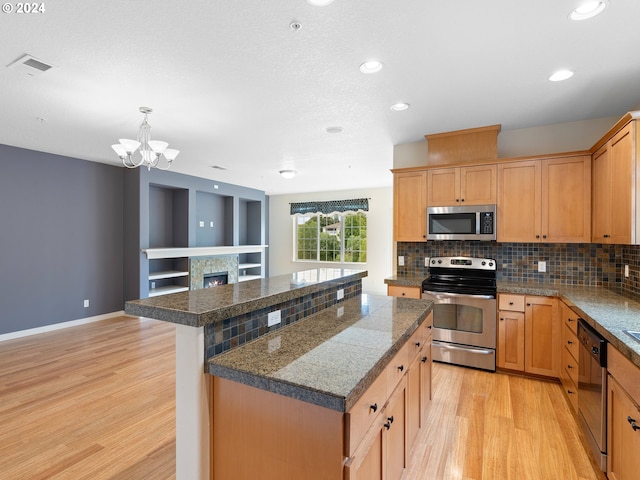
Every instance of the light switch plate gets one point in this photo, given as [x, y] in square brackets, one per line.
[401, 261]
[542, 267]
[626, 271]
[340, 294]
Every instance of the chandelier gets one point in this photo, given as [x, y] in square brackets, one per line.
[150, 150]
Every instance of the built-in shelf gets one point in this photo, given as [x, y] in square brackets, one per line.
[154, 253]
[155, 292]
[244, 278]
[167, 274]
[244, 266]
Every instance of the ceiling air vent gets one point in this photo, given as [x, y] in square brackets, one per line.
[30, 65]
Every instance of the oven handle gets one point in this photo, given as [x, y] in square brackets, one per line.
[459, 295]
[464, 349]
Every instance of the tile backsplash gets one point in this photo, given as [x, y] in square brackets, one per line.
[567, 263]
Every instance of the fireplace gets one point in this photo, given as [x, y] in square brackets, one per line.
[210, 280]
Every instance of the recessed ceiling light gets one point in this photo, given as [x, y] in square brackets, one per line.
[333, 129]
[588, 9]
[372, 66]
[561, 75]
[288, 173]
[319, 3]
[398, 107]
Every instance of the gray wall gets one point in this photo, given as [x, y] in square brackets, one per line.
[61, 239]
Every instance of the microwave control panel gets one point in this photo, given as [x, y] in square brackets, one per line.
[486, 223]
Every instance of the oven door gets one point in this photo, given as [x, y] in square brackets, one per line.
[464, 329]
[464, 319]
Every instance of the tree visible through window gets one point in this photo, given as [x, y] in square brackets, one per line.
[331, 238]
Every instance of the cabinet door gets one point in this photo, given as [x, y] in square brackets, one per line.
[620, 171]
[370, 467]
[395, 458]
[478, 185]
[443, 187]
[413, 402]
[623, 442]
[409, 206]
[519, 202]
[425, 382]
[542, 336]
[601, 196]
[511, 340]
[566, 200]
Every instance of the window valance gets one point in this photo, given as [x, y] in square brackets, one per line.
[333, 206]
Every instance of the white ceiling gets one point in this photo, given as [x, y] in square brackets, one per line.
[231, 84]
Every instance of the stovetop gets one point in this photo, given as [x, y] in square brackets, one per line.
[464, 275]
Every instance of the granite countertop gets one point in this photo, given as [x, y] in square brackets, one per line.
[197, 308]
[607, 311]
[330, 358]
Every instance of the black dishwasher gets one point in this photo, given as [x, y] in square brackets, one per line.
[592, 390]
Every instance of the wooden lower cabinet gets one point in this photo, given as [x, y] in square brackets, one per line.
[404, 291]
[623, 417]
[529, 334]
[383, 452]
[511, 340]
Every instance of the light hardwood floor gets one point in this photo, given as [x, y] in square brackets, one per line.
[97, 402]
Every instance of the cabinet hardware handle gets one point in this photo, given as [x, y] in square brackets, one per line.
[569, 342]
[632, 422]
[510, 303]
[424, 359]
[374, 407]
[389, 422]
[528, 304]
[417, 344]
[570, 392]
[569, 367]
[606, 236]
[429, 327]
[537, 236]
[403, 294]
[457, 200]
[401, 368]
[502, 318]
[463, 199]
[569, 320]
[544, 236]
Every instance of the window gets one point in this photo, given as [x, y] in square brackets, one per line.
[337, 237]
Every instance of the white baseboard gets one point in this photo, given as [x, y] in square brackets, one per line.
[58, 326]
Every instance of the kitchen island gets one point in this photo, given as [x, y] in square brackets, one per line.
[225, 322]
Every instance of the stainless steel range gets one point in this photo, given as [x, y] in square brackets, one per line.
[463, 290]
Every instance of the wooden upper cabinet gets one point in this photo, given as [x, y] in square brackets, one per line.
[519, 190]
[409, 206]
[613, 188]
[461, 186]
[566, 200]
[545, 200]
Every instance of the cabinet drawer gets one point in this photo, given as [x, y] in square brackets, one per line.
[397, 367]
[362, 415]
[569, 365]
[514, 303]
[569, 318]
[571, 391]
[570, 341]
[404, 291]
[419, 338]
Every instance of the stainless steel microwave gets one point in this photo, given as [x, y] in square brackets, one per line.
[469, 222]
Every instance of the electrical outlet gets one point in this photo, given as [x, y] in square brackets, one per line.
[340, 294]
[626, 271]
[211, 224]
[274, 318]
[201, 224]
[153, 285]
[86, 303]
[426, 261]
[401, 261]
[542, 267]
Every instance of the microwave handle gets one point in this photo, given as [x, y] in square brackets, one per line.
[477, 223]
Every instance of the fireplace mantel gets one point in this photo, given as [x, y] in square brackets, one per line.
[155, 253]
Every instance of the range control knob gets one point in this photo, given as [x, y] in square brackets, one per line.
[433, 261]
[484, 263]
[439, 261]
[595, 350]
[491, 264]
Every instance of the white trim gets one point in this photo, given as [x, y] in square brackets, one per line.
[153, 253]
[58, 326]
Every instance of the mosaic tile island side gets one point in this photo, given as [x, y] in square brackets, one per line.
[197, 308]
